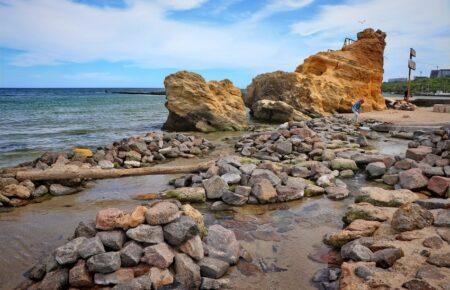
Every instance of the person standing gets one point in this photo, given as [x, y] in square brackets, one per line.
[356, 109]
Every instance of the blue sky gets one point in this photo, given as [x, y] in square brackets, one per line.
[136, 43]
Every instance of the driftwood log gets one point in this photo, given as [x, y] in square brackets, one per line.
[73, 172]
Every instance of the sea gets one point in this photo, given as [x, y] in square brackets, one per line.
[33, 121]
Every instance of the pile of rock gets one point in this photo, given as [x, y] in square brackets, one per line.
[150, 248]
[404, 106]
[15, 193]
[426, 164]
[395, 239]
[138, 151]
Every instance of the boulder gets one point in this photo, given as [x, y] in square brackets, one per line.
[439, 185]
[418, 153]
[55, 280]
[186, 194]
[187, 272]
[162, 213]
[159, 255]
[69, 253]
[16, 190]
[385, 258]
[276, 111]
[146, 234]
[376, 169]
[384, 197]
[412, 179]
[343, 164]
[104, 263]
[108, 219]
[197, 105]
[264, 191]
[221, 243]
[367, 211]
[58, 189]
[213, 268]
[90, 247]
[131, 254]
[329, 81]
[79, 275]
[215, 186]
[357, 229]
[112, 240]
[410, 217]
[120, 276]
[440, 260]
[194, 248]
[197, 216]
[180, 230]
[160, 277]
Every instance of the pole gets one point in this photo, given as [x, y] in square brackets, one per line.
[408, 94]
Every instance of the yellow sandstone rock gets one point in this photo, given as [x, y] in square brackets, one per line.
[190, 211]
[83, 151]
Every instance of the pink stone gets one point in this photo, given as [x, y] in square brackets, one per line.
[439, 185]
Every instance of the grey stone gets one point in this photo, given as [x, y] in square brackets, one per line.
[159, 255]
[180, 230]
[131, 254]
[214, 187]
[376, 169]
[243, 190]
[146, 234]
[68, 253]
[410, 217]
[247, 168]
[225, 168]
[90, 247]
[231, 178]
[232, 198]
[58, 189]
[112, 239]
[283, 147]
[412, 179]
[221, 243]
[258, 174]
[440, 260]
[121, 275]
[213, 268]
[187, 272]
[162, 213]
[104, 263]
[39, 191]
[140, 283]
[209, 283]
[86, 230]
[386, 258]
[442, 218]
[55, 280]
[363, 272]
[434, 203]
[356, 252]
[336, 192]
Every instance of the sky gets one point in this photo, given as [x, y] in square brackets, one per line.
[136, 43]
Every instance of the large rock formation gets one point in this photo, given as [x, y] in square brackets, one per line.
[197, 105]
[330, 81]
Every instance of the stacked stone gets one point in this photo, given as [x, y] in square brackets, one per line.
[138, 151]
[152, 247]
[393, 238]
[426, 164]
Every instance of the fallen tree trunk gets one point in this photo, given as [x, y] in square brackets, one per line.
[73, 172]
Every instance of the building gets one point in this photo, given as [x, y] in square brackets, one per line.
[440, 73]
[420, 78]
[394, 80]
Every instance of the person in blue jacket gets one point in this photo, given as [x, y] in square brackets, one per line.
[356, 109]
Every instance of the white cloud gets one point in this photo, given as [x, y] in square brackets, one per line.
[276, 6]
[62, 31]
[423, 25]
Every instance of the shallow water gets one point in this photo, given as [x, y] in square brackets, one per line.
[284, 240]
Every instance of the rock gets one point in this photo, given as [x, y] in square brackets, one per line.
[16, 190]
[418, 153]
[314, 190]
[180, 230]
[86, 230]
[231, 178]
[411, 217]
[106, 164]
[283, 147]
[417, 284]
[58, 189]
[243, 190]
[215, 186]
[159, 255]
[119, 276]
[376, 169]
[247, 168]
[187, 272]
[68, 253]
[232, 198]
[431, 171]
[383, 197]
[362, 141]
[90, 247]
[36, 273]
[137, 217]
[412, 179]
[146, 234]
[213, 268]
[208, 283]
[221, 244]
[195, 105]
[79, 275]
[193, 247]
[434, 203]
[83, 151]
[160, 277]
[386, 258]
[162, 213]
[343, 164]
[104, 263]
[55, 280]
[108, 219]
[329, 81]
[442, 218]
[186, 194]
[259, 174]
[357, 229]
[4, 181]
[131, 254]
[39, 191]
[363, 272]
[139, 283]
[346, 173]
[367, 211]
[433, 242]
[440, 260]
[337, 192]
[444, 234]
[276, 111]
[356, 252]
[439, 185]
[264, 191]
[194, 214]
[112, 240]
[390, 179]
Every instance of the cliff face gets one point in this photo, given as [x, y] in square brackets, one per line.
[331, 81]
[197, 105]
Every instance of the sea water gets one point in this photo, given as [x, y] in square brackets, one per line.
[33, 121]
